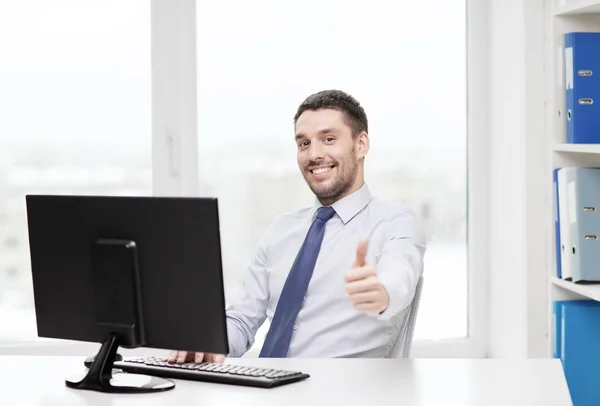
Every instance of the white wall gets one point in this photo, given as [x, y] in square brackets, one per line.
[517, 280]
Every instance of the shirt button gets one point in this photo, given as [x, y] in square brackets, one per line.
[295, 327]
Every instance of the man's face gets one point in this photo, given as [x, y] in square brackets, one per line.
[328, 155]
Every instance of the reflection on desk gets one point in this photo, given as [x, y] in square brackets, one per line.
[40, 381]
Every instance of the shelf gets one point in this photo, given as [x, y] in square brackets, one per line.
[578, 148]
[589, 291]
[578, 7]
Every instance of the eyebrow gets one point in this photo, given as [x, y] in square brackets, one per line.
[326, 131]
[320, 132]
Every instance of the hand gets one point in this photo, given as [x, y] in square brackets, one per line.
[367, 294]
[181, 357]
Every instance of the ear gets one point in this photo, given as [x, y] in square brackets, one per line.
[362, 144]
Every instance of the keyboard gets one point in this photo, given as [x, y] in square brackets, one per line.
[211, 372]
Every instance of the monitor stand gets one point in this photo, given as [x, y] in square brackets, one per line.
[101, 377]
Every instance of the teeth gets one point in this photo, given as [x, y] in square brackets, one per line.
[321, 170]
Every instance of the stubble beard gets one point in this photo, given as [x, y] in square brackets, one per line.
[338, 187]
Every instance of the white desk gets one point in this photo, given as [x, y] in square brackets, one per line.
[39, 381]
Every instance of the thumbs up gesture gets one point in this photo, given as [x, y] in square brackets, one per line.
[367, 294]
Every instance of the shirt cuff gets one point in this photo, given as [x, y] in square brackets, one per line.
[396, 292]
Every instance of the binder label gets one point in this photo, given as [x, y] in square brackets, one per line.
[572, 203]
[569, 67]
[555, 204]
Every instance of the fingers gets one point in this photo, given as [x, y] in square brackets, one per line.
[181, 357]
[172, 356]
[357, 274]
[176, 355]
[216, 358]
[364, 297]
[361, 253]
[199, 358]
[370, 283]
[372, 302]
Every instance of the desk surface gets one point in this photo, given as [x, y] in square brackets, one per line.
[39, 381]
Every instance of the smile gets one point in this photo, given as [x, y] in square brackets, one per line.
[321, 170]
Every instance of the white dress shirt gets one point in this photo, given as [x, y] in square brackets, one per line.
[328, 325]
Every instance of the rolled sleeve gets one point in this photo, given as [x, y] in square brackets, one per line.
[400, 263]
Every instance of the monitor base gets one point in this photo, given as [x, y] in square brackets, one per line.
[121, 382]
[102, 378]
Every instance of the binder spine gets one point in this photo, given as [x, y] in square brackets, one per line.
[582, 87]
[569, 86]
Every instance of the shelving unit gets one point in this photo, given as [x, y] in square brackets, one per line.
[576, 7]
[565, 16]
[578, 148]
[570, 290]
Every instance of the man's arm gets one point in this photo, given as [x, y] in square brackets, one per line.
[401, 261]
[246, 316]
[386, 288]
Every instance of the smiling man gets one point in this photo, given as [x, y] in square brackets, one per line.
[334, 280]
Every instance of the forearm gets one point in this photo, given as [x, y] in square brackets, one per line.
[399, 274]
[246, 315]
[239, 335]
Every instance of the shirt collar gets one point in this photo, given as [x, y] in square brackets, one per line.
[349, 206]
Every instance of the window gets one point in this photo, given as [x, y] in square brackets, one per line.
[76, 106]
[404, 61]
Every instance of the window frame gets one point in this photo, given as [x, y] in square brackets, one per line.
[475, 344]
[175, 159]
[174, 150]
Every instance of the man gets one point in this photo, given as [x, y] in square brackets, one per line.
[335, 279]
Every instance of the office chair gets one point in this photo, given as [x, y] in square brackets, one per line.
[403, 346]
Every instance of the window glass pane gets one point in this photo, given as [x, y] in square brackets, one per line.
[75, 103]
[404, 61]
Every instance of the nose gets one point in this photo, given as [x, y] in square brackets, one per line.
[316, 152]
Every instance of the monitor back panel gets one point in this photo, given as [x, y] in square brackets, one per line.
[179, 254]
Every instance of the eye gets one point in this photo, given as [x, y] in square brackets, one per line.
[303, 144]
[329, 139]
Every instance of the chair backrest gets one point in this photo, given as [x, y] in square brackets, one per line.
[403, 345]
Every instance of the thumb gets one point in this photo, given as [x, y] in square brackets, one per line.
[361, 253]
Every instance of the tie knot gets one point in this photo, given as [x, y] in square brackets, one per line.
[325, 213]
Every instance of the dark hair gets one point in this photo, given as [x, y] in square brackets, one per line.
[354, 114]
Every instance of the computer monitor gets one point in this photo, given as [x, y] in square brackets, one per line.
[130, 272]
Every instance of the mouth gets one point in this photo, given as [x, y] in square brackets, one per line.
[320, 172]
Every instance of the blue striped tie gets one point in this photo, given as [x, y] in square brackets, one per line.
[290, 301]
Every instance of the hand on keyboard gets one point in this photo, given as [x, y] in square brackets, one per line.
[210, 371]
[181, 357]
